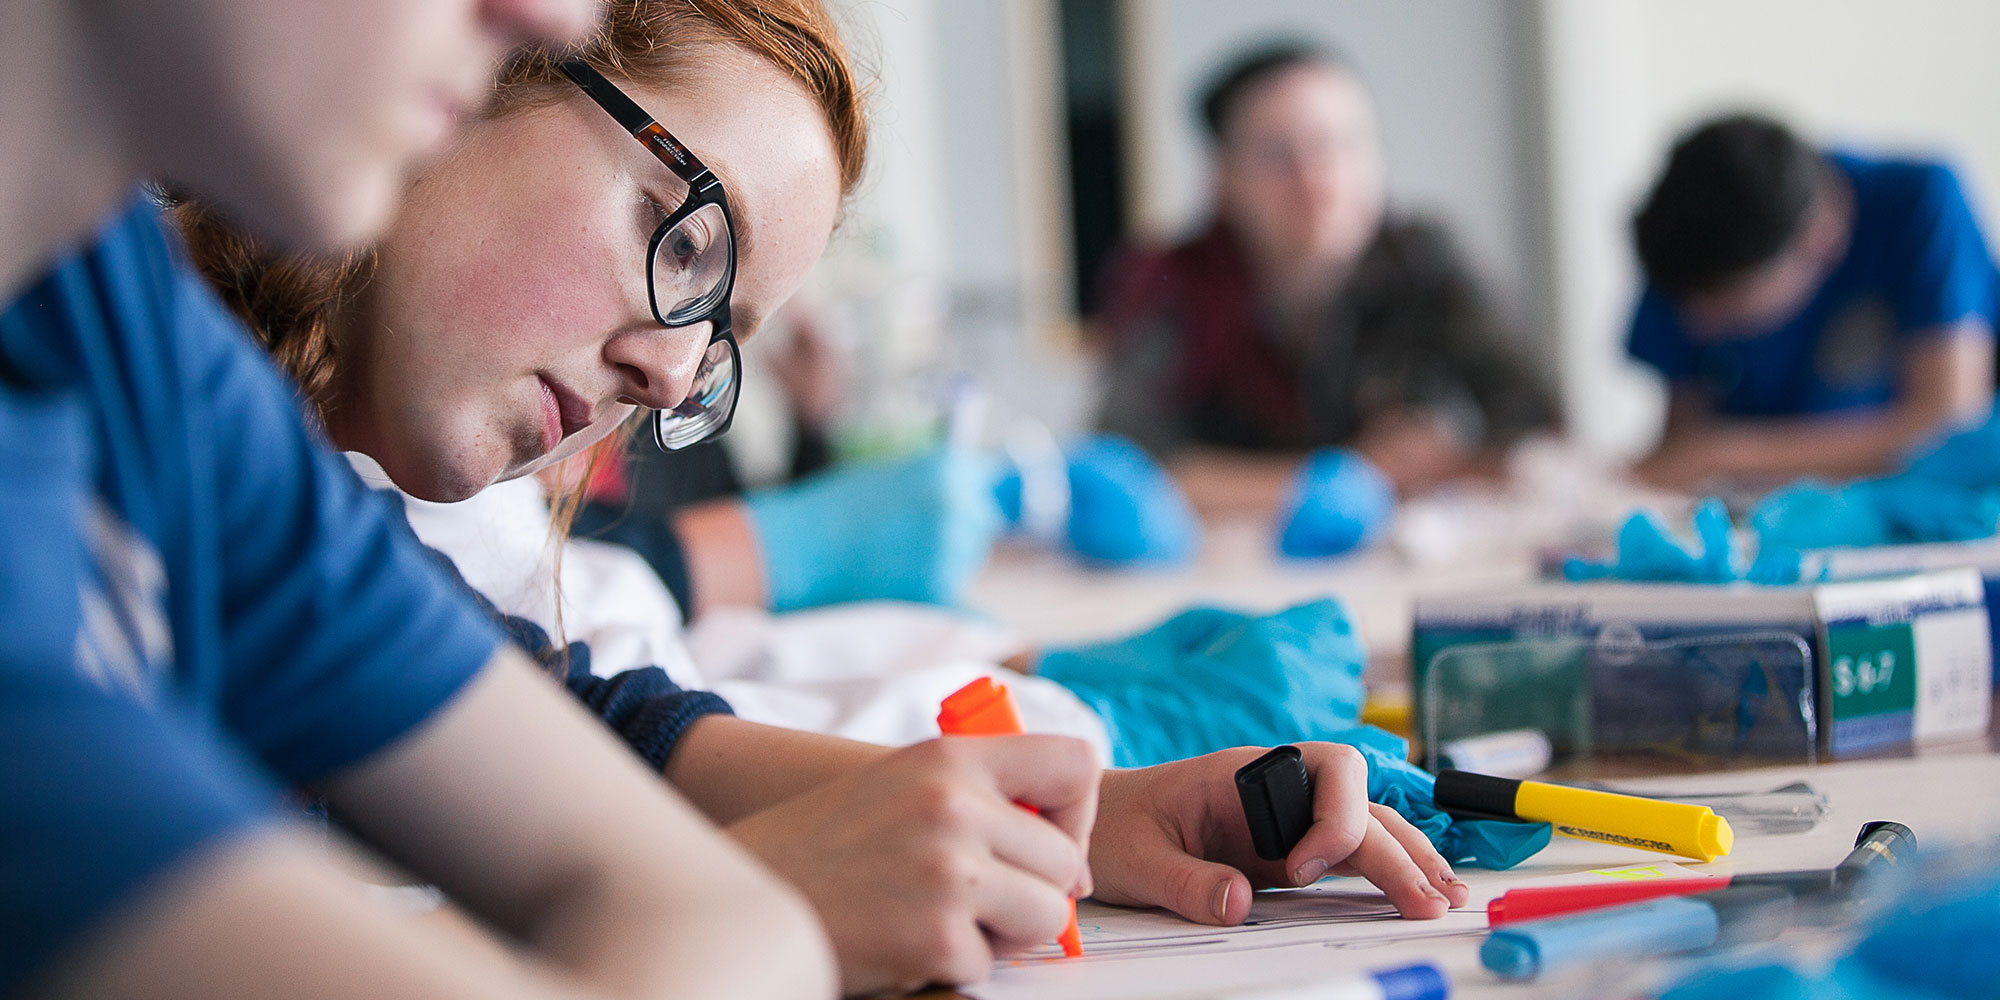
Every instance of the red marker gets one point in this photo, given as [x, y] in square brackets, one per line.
[985, 708]
[1517, 905]
[1879, 844]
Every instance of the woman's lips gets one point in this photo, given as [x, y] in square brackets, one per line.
[563, 413]
[552, 431]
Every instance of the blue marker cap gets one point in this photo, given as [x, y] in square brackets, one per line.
[1422, 981]
[1638, 930]
[1656, 927]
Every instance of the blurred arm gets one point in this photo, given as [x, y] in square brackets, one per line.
[1226, 484]
[521, 808]
[605, 879]
[1948, 378]
[724, 564]
[730, 768]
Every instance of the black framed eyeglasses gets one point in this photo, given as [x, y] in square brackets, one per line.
[690, 269]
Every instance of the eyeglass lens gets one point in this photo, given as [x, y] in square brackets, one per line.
[709, 400]
[691, 266]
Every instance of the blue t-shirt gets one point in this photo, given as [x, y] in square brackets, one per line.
[1916, 262]
[201, 603]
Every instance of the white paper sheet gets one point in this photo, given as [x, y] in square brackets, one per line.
[1340, 925]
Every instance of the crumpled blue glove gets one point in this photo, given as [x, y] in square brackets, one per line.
[1811, 515]
[1649, 550]
[1208, 679]
[1923, 510]
[1395, 782]
[1934, 943]
[1970, 457]
[1124, 509]
[1905, 508]
[913, 530]
[1339, 501]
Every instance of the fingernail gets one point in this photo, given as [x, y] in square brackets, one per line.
[1449, 877]
[1310, 872]
[1431, 891]
[1222, 902]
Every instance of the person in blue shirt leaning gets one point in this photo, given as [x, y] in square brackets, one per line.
[202, 607]
[1817, 313]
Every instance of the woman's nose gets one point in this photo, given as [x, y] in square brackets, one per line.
[657, 365]
[555, 22]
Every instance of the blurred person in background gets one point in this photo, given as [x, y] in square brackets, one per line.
[1816, 312]
[1308, 353]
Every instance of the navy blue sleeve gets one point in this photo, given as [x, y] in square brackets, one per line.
[647, 710]
[1657, 339]
[652, 536]
[1945, 273]
[342, 635]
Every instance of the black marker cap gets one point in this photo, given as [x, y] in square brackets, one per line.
[1478, 796]
[1880, 844]
[1277, 801]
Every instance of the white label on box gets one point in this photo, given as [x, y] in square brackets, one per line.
[1954, 675]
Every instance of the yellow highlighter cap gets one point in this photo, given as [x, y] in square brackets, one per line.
[1713, 837]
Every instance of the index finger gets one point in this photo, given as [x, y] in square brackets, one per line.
[1057, 775]
[1339, 810]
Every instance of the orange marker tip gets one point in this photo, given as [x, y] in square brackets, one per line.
[1071, 939]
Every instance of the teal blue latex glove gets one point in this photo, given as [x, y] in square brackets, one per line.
[1922, 510]
[1339, 501]
[910, 530]
[1969, 457]
[1905, 508]
[1123, 508]
[1395, 782]
[1934, 943]
[1813, 515]
[1209, 679]
[1649, 550]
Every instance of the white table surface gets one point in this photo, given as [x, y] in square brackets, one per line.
[1947, 796]
[1053, 599]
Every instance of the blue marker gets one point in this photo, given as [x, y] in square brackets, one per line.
[1422, 981]
[1655, 927]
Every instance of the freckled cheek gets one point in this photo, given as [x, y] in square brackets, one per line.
[550, 297]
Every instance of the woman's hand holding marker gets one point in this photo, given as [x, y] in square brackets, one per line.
[921, 865]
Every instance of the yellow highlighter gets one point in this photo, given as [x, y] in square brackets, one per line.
[1649, 824]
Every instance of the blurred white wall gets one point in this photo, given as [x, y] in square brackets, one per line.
[1624, 77]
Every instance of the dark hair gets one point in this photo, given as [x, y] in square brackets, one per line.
[1734, 192]
[1218, 102]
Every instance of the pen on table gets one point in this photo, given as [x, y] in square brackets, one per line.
[1879, 845]
[1639, 930]
[1422, 981]
[986, 708]
[1607, 817]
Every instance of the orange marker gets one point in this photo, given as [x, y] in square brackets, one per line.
[985, 708]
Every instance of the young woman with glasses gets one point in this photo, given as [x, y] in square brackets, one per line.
[517, 311]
